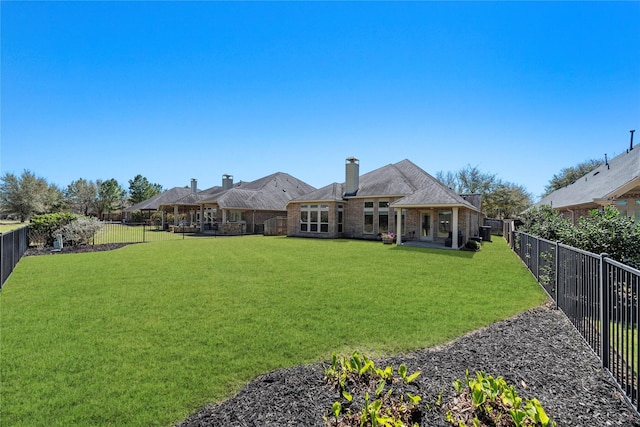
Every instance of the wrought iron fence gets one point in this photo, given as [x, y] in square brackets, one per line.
[13, 245]
[600, 298]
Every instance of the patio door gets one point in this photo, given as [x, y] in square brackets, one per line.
[425, 226]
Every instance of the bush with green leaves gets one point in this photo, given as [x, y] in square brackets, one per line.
[43, 228]
[607, 231]
[603, 231]
[545, 222]
[487, 401]
[81, 231]
[371, 396]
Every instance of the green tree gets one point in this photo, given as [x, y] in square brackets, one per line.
[25, 196]
[568, 176]
[499, 199]
[506, 200]
[110, 196]
[141, 189]
[82, 195]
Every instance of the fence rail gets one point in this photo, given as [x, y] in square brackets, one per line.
[600, 298]
[13, 245]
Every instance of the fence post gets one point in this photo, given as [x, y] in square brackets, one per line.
[556, 261]
[604, 313]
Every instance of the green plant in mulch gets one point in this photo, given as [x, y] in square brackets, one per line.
[488, 401]
[371, 396]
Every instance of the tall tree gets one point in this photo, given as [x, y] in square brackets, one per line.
[110, 196]
[469, 179]
[499, 199]
[23, 196]
[141, 189]
[506, 200]
[82, 195]
[568, 176]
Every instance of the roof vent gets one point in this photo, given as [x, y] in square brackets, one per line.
[631, 142]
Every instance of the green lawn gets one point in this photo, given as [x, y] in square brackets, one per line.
[6, 226]
[148, 333]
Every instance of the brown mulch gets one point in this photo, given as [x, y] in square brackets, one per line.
[539, 352]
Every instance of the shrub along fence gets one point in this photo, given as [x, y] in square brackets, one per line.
[13, 245]
[598, 295]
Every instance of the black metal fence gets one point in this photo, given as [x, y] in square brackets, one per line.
[13, 245]
[600, 298]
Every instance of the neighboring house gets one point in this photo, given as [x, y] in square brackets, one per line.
[399, 198]
[152, 205]
[237, 208]
[615, 183]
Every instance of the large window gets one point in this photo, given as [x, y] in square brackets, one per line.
[368, 218]
[444, 223]
[383, 216]
[314, 218]
[235, 216]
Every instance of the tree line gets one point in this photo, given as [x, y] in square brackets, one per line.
[25, 195]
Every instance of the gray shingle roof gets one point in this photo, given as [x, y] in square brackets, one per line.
[399, 179]
[605, 182]
[166, 197]
[272, 192]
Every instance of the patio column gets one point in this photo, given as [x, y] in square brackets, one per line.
[175, 215]
[454, 229]
[398, 226]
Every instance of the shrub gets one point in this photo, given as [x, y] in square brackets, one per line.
[44, 227]
[80, 231]
[472, 245]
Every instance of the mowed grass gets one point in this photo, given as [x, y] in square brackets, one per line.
[146, 334]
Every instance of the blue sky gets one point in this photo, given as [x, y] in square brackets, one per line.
[181, 90]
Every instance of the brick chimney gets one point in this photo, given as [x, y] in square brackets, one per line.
[352, 176]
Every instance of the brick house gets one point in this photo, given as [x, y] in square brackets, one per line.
[399, 198]
[615, 183]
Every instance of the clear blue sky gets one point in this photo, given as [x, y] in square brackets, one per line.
[175, 91]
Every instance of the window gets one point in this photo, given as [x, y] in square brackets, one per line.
[444, 223]
[314, 218]
[235, 216]
[383, 216]
[340, 217]
[368, 218]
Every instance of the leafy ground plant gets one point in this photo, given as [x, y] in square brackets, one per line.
[488, 401]
[371, 396]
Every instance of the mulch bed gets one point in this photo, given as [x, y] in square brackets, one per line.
[32, 251]
[539, 352]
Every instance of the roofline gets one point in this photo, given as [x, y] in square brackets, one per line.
[436, 205]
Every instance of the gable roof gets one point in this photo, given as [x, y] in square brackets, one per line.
[272, 192]
[166, 197]
[399, 179]
[603, 184]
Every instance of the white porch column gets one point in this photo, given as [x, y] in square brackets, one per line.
[175, 215]
[454, 229]
[398, 226]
